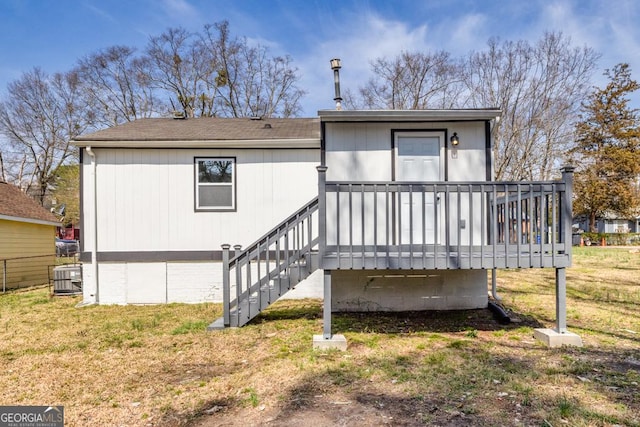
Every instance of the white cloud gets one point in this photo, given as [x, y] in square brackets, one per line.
[466, 32]
[357, 43]
[180, 10]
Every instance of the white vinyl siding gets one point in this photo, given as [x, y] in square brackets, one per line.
[136, 216]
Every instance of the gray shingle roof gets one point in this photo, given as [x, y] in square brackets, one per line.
[205, 129]
[14, 203]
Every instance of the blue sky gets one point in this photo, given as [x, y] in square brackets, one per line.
[54, 34]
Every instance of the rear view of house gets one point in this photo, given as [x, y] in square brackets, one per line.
[395, 210]
[27, 246]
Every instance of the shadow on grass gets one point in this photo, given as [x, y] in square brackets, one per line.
[398, 322]
[450, 386]
[449, 390]
[290, 310]
[427, 321]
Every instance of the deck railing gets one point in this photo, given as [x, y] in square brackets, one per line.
[445, 225]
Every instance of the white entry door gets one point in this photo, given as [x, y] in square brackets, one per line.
[418, 159]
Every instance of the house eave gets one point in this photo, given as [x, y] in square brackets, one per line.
[174, 143]
[409, 115]
[29, 220]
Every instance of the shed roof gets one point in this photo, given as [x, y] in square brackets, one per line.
[17, 206]
[208, 132]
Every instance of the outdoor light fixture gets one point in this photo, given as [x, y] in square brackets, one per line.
[455, 140]
[335, 66]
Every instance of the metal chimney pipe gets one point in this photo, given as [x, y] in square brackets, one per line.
[335, 66]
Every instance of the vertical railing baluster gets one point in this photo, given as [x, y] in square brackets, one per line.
[471, 221]
[267, 245]
[259, 273]
[545, 216]
[436, 225]
[362, 208]
[276, 270]
[554, 213]
[507, 226]
[531, 225]
[484, 230]
[447, 216]
[387, 229]
[459, 228]
[226, 285]
[338, 224]
[494, 232]
[423, 201]
[248, 285]
[411, 226]
[375, 225]
[237, 249]
[350, 225]
[519, 223]
[399, 227]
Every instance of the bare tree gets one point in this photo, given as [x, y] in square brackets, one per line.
[117, 86]
[40, 116]
[539, 88]
[413, 81]
[247, 81]
[175, 62]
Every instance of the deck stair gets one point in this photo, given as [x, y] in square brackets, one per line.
[256, 277]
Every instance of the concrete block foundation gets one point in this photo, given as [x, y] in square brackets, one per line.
[553, 339]
[337, 342]
[415, 290]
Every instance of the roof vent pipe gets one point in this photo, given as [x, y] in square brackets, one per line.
[335, 66]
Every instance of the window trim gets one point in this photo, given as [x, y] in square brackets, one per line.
[196, 185]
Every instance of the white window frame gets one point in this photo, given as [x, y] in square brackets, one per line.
[198, 184]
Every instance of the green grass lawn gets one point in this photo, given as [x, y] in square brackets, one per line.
[157, 365]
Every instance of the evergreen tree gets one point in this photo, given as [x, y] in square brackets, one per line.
[608, 150]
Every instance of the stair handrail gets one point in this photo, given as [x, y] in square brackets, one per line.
[242, 257]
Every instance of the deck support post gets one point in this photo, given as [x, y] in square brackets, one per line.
[326, 310]
[561, 300]
[327, 340]
[322, 244]
[560, 335]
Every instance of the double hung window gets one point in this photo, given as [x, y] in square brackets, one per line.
[215, 183]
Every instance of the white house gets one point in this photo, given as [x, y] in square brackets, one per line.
[392, 210]
[160, 197]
